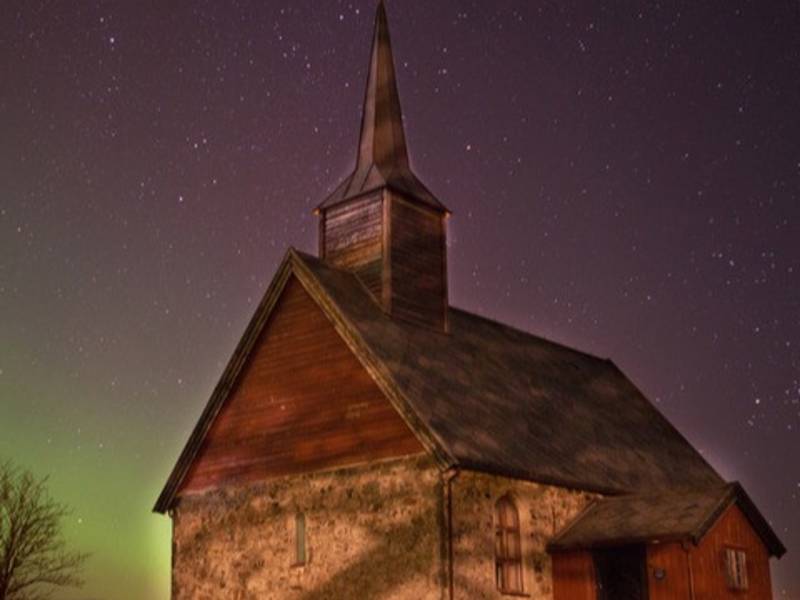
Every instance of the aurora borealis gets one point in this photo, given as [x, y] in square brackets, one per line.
[624, 177]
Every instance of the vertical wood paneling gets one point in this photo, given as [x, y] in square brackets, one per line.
[303, 403]
[419, 285]
[672, 559]
[398, 250]
[701, 567]
[353, 239]
[708, 560]
[573, 576]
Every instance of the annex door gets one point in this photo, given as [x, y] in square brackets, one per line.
[621, 573]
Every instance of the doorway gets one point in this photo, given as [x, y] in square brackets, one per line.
[621, 573]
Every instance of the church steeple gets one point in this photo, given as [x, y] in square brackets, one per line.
[382, 223]
[383, 139]
[382, 159]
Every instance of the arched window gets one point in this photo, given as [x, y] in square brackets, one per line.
[507, 548]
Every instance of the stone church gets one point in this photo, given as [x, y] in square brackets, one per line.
[368, 440]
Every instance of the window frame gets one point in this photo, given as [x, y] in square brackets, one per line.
[300, 540]
[508, 561]
[736, 570]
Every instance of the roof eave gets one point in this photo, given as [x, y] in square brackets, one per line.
[617, 542]
[467, 464]
[734, 494]
[335, 198]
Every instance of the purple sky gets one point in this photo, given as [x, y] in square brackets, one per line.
[624, 177]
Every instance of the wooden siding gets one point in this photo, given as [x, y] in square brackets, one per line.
[303, 403]
[732, 530]
[690, 572]
[352, 238]
[573, 576]
[398, 250]
[418, 264]
[673, 560]
[703, 567]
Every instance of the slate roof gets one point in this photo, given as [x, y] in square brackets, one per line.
[506, 401]
[682, 515]
[487, 397]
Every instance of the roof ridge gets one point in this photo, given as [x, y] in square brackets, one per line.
[489, 320]
[530, 334]
[475, 315]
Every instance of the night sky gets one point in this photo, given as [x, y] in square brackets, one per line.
[624, 178]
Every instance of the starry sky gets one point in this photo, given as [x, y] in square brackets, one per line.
[624, 178]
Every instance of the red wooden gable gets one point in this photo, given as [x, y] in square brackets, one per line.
[303, 402]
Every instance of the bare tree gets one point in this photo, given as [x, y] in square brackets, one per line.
[34, 558]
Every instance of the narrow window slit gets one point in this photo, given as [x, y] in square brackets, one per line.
[300, 539]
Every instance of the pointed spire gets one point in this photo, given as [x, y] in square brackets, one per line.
[382, 160]
[383, 140]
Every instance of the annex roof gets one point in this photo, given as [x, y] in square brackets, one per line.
[678, 515]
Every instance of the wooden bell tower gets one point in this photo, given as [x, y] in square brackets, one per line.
[382, 222]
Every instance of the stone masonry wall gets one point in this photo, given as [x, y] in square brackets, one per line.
[543, 511]
[372, 532]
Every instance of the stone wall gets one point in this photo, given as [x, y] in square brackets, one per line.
[372, 532]
[543, 511]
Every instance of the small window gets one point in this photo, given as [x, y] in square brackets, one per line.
[300, 539]
[736, 568]
[507, 550]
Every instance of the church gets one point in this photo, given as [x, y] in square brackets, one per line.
[367, 440]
